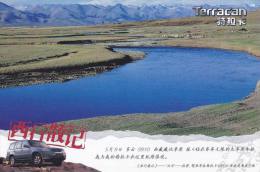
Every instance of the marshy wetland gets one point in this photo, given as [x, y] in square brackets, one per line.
[32, 56]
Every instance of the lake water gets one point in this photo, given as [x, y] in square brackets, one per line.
[167, 80]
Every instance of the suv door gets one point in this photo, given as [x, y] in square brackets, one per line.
[26, 151]
[18, 151]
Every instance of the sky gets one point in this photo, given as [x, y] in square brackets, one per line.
[132, 2]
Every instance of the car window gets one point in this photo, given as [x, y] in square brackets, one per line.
[25, 143]
[38, 144]
[11, 147]
[18, 145]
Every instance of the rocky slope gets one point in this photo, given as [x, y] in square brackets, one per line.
[66, 167]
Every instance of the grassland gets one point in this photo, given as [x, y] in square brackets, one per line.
[34, 64]
[40, 55]
[35, 57]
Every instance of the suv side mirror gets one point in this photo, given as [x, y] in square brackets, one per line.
[26, 146]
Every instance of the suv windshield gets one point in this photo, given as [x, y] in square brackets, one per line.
[38, 144]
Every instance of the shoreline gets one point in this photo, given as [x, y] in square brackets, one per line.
[68, 73]
[255, 94]
[64, 74]
[216, 120]
[257, 55]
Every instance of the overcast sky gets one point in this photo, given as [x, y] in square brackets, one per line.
[132, 2]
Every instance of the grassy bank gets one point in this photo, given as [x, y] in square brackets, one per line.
[246, 38]
[35, 64]
[18, 59]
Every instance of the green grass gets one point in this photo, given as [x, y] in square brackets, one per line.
[37, 57]
[15, 54]
[215, 120]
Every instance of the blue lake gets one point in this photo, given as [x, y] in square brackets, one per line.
[167, 80]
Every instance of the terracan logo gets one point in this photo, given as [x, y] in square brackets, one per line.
[226, 16]
[200, 11]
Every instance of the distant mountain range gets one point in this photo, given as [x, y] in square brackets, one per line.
[12, 16]
[76, 14]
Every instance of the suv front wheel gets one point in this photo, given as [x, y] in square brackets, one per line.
[12, 161]
[37, 159]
